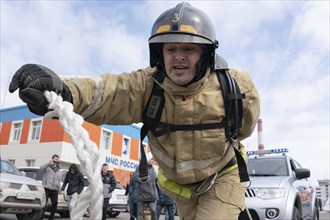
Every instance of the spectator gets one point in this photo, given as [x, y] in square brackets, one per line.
[75, 180]
[320, 204]
[109, 185]
[166, 202]
[51, 180]
[147, 191]
[132, 194]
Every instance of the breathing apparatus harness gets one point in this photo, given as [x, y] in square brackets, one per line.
[232, 123]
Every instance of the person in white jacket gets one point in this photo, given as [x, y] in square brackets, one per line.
[51, 180]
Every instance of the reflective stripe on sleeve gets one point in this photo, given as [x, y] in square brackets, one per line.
[99, 87]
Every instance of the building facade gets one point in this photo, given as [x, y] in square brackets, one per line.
[28, 140]
[323, 190]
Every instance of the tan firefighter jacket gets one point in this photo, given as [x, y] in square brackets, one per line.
[184, 156]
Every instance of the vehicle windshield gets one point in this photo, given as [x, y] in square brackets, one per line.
[7, 167]
[34, 174]
[267, 167]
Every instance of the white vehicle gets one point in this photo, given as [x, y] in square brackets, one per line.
[118, 201]
[20, 195]
[279, 188]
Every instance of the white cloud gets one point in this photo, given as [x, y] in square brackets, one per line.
[312, 26]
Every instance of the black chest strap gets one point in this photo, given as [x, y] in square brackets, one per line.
[151, 117]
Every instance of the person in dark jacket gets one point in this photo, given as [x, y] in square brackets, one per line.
[75, 180]
[168, 203]
[133, 189]
[109, 185]
[51, 181]
[147, 191]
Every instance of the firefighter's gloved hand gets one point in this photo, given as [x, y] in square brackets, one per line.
[33, 80]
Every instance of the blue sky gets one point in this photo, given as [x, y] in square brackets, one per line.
[284, 45]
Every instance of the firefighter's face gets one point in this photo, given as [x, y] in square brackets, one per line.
[181, 60]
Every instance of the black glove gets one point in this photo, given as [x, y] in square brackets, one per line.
[33, 80]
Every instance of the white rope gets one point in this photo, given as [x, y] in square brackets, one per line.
[87, 153]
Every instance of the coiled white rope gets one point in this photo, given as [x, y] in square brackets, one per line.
[87, 153]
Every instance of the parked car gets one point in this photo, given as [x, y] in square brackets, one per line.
[62, 205]
[279, 187]
[19, 194]
[118, 201]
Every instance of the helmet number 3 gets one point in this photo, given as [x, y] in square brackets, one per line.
[176, 17]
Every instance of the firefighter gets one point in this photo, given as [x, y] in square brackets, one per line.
[197, 167]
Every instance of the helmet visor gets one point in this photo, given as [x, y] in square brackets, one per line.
[179, 38]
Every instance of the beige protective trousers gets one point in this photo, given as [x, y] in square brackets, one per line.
[223, 201]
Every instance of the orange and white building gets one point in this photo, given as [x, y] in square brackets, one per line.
[27, 139]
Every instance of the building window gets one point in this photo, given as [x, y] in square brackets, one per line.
[30, 163]
[17, 130]
[36, 130]
[12, 161]
[106, 140]
[126, 146]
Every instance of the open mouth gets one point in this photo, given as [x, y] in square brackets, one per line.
[180, 67]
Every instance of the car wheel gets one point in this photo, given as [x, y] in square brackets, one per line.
[113, 214]
[296, 214]
[64, 214]
[35, 214]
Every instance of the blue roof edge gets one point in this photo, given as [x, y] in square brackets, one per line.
[22, 112]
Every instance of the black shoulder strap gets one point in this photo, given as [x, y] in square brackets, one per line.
[151, 117]
[234, 115]
[233, 103]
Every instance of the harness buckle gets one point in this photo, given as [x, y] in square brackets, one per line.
[199, 192]
[163, 129]
[167, 128]
[143, 179]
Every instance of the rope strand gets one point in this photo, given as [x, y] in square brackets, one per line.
[87, 153]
